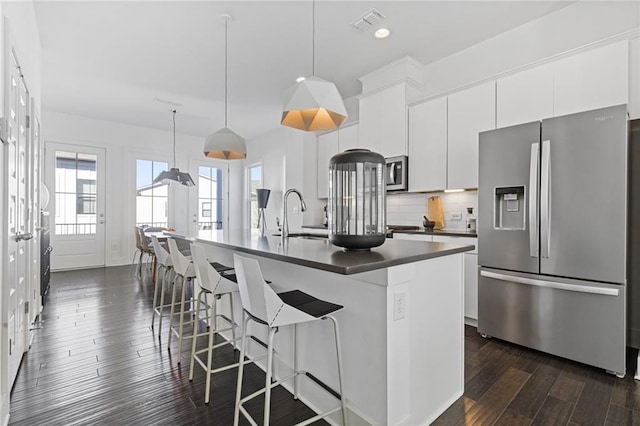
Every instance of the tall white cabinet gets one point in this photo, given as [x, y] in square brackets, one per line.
[592, 79]
[383, 119]
[524, 97]
[470, 111]
[428, 146]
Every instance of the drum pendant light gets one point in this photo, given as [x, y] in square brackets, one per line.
[225, 143]
[313, 104]
[174, 174]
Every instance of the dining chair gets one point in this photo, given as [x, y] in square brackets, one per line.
[146, 249]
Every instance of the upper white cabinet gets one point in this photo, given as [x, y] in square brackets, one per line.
[348, 138]
[428, 146]
[383, 120]
[470, 111]
[634, 78]
[525, 96]
[327, 148]
[592, 79]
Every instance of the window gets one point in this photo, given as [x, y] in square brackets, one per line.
[210, 197]
[206, 209]
[255, 182]
[151, 198]
[76, 193]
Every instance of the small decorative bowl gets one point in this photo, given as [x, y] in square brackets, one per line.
[428, 224]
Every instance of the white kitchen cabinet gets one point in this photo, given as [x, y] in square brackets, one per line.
[327, 148]
[470, 111]
[383, 120]
[524, 97]
[593, 79]
[634, 78]
[469, 273]
[428, 146]
[471, 288]
[348, 138]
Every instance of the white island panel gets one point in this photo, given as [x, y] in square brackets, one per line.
[396, 371]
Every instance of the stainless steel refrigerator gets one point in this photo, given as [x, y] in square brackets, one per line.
[552, 236]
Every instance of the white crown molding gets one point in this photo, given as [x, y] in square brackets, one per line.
[405, 68]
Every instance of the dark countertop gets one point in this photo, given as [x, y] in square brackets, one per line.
[443, 232]
[318, 253]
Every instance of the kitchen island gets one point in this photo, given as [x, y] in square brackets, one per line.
[402, 329]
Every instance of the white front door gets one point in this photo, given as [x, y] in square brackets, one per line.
[14, 334]
[209, 208]
[33, 218]
[76, 176]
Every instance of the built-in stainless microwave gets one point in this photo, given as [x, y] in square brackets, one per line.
[397, 173]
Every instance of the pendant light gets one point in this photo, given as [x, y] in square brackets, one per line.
[313, 104]
[174, 174]
[225, 143]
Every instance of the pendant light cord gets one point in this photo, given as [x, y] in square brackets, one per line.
[226, 67]
[174, 136]
[313, 38]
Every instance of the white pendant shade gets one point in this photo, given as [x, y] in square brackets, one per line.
[225, 144]
[313, 104]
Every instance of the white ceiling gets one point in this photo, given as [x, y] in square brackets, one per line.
[109, 60]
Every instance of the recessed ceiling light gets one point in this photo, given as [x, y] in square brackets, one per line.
[382, 33]
[299, 79]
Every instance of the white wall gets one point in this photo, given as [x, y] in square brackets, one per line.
[124, 144]
[408, 209]
[569, 28]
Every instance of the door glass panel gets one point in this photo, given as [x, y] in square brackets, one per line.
[151, 198]
[75, 193]
[210, 197]
[255, 182]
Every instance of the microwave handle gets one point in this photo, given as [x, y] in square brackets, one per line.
[392, 173]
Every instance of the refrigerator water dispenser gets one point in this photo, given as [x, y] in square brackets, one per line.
[509, 208]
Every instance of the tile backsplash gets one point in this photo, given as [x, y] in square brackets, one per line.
[408, 208]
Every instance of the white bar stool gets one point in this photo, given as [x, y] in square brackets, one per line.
[164, 262]
[213, 284]
[183, 268]
[261, 304]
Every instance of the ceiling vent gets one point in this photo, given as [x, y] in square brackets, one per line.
[370, 18]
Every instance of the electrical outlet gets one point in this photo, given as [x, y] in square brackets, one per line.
[456, 216]
[399, 305]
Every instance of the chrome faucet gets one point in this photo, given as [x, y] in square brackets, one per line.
[285, 219]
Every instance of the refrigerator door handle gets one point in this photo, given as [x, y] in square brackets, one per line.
[551, 284]
[545, 201]
[533, 199]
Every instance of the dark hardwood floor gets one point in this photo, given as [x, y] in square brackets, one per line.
[506, 384]
[96, 361]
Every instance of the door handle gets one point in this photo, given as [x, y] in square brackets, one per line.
[533, 199]
[605, 291]
[545, 200]
[23, 236]
[392, 173]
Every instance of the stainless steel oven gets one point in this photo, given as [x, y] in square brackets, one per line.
[397, 173]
